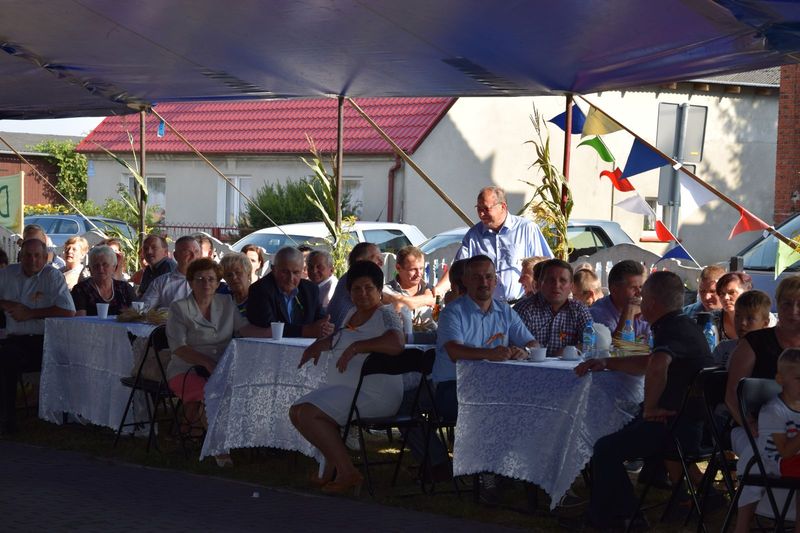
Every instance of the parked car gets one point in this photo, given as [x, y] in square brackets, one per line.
[585, 236]
[389, 236]
[759, 258]
[61, 227]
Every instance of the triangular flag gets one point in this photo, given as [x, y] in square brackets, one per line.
[598, 123]
[664, 234]
[601, 148]
[620, 185]
[785, 257]
[747, 222]
[678, 252]
[641, 159]
[636, 204]
[693, 195]
[578, 120]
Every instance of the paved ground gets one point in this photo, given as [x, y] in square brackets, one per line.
[49, 490]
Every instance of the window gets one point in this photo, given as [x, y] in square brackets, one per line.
[353, 195]
[235, 203]
[156, 191]
[586, 240]
[67, 226]
[649, 223]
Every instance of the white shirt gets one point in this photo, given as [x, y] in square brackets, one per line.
[326, 289]
[166, 289]
[46, 288]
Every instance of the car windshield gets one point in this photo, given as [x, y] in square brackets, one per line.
[272, 242]
[440, 241]
[113, 227]
[762, 255]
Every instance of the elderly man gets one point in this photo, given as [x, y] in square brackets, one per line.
[625, 282]
[173, 286]
[553, 318]
[341, 303]
[680, 351]
[506, 239]
[319, 264]
[707, 299]
[29, 292]
[156, 252]
[473, 327]
[35, 231]
[283, 296]
[408, 287]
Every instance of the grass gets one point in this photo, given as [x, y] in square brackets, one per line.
[289, 471]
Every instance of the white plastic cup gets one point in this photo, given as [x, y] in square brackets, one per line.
[538, 354]
[102, 311]
[277, 330]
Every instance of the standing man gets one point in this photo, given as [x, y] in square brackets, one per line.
[340, 302]
[506, 239]
[707, 299]
[284, 296]
[553, 318]
[319, 264]
[156, 253]
[173, 286]
[30, 291]
[408, 287]
[624, 300]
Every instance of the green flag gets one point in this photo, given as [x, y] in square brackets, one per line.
[11, 202]
[786, 256]
[601, 148]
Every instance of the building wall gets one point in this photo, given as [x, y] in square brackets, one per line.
[37, 190]
[482, 141]
[787, 177]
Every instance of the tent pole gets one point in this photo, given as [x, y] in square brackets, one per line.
[567, 146]
[404, 156]
[143, 174]
[339, 158]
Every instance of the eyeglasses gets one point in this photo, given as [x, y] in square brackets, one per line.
[487, 208]
[203, 279]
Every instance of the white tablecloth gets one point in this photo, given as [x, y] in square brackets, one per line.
[83, 361]
[249, 394]
[537, 421]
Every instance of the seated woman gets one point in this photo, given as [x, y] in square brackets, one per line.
[256, 257]
[370, 327]
[729, 287]
[75, 249]
[199, 329]
[101, 287]
[120, 272]
[237, 270]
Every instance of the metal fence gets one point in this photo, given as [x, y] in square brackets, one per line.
[226, 234]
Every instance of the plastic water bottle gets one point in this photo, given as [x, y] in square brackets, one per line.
[628, 334]
[589, 340]
[710, 335]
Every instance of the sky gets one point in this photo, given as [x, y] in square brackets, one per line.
[60, 126]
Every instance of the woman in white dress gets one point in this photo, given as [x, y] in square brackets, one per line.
[370, 327]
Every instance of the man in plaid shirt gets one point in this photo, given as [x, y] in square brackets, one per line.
[553, 318]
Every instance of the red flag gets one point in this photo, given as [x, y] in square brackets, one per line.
[747, 222]
[619, 184]
[663, 234]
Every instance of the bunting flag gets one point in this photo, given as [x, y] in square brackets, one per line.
[619, 184]
[578, 120]
[641, 159]
[636, 204]
[663, 233]
[747, 222]
[693, 195]
[785, 256]
[598, 123]
[678, 252]
[600, 147]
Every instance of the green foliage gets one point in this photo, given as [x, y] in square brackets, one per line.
[72, 168]
[285, 203]
[546, 206]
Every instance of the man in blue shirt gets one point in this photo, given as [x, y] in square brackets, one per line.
[505, 239]
[623, 302]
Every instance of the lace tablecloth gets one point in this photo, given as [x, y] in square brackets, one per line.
[537, 421]
[83, 361]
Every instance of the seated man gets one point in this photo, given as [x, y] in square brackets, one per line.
[472, 327]
[35, 231]
[30, 291]
[409, 288]
[340, 302]
[680, 351]
[319, 264]
[173, 286]
[707, 299]
[550, 315]
[283, 296]
[156, 252]
[625, 282]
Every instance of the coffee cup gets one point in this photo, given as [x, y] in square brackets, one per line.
[102, 311]
[537, 355]
[570, 353]
[277, 330]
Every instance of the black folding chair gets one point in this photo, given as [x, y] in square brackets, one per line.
[752, 394]
[411, 360]
[157, 392]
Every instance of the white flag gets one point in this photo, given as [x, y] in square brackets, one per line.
[693, 195]
[636, 204]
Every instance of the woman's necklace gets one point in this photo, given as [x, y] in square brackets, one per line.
[99, 293]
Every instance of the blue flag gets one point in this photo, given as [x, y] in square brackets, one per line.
[678, 252]
[641, 159]
[578, 120]
[161, 127]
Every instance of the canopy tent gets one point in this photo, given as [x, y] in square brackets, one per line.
[93, 57]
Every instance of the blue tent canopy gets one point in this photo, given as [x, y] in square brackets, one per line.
[63, 58]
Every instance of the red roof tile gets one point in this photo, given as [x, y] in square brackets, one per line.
[274, 126]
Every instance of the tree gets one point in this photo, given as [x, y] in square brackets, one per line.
[72, 168]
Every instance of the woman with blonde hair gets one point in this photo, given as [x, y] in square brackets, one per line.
[75, 250]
